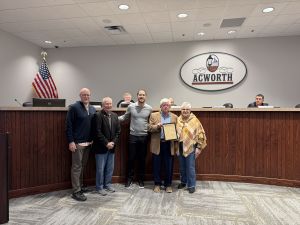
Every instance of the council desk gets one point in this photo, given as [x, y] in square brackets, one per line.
[245, 145]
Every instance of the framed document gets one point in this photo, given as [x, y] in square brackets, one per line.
[170, 131]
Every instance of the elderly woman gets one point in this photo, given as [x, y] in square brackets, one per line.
[192, 141]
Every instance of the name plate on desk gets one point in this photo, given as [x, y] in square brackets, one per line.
[170, 131]
[265, 106]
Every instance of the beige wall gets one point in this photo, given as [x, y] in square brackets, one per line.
[272, 65]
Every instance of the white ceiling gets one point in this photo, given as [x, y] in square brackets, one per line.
[69, 23]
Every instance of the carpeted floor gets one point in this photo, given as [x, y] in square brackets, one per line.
[213, 203]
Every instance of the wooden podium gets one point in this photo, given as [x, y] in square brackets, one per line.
[4, 178]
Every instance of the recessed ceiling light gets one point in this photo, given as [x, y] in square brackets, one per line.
[231, 31]
[182, 15]
[268, 9]
[200, 33]
[123, 7]
[48, 42]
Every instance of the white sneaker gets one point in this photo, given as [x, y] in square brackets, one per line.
[101, 192]
[110, 189]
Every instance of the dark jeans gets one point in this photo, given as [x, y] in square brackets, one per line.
[137, 151]
[167, 160]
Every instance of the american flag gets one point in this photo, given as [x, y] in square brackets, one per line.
[43, 83]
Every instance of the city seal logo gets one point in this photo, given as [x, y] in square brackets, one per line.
[213, 71]
[212, 63]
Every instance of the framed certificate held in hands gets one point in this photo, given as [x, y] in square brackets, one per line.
[170, 131]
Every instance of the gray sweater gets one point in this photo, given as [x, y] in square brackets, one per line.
[139, 118]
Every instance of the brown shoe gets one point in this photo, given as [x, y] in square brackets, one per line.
[169, 190]
[156, 189]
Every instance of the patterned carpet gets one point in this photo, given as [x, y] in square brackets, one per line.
[213, 203]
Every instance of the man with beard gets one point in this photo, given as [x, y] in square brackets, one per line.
[139, 113]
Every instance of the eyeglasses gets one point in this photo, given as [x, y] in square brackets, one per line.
[185, 109]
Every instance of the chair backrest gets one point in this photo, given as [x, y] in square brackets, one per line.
[27, 104]
[228, 105]
[297, 106]
[94, 103]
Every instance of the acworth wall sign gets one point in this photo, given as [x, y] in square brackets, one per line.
[213, 71]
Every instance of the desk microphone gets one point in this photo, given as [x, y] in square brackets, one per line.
[16, 100]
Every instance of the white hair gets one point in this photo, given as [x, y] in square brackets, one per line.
[164, 100]
[106, 99]
[186, 105]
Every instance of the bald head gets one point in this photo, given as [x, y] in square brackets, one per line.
[84, 95]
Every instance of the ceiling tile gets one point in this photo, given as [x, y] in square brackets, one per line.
[142, 38]
[211, 3]
[96, 9]
[210, 13]
[183, 27]
[123, 39]
[258, 21]
[238, 11]
[162, 37]
[108, 20]
[136, 28]
[181, 5]
[208, 24]
[157, 17]
[285, 19]
[151, 5]
[291, 8]
[159, 27]
[134, 18]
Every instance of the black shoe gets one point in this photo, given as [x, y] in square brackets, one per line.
[79, 196]
[128, 183]
[181, 186]
[141, 184]
[191, 190]
[85, 189]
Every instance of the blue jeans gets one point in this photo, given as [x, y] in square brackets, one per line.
[104, 169]
[187, 168]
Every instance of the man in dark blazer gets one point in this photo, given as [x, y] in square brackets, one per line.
[106, 132]
[259, 101]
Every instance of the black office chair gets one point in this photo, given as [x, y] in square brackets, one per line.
[27, 104]
[94, 103]
[297, 106]
[119, 105]
[228, 105]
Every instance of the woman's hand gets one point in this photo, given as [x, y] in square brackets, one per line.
[197, 152]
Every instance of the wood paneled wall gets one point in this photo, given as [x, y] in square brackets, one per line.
[247, 146]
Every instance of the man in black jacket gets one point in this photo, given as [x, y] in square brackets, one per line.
[106, 132]
[78, 130]
[259, 101]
